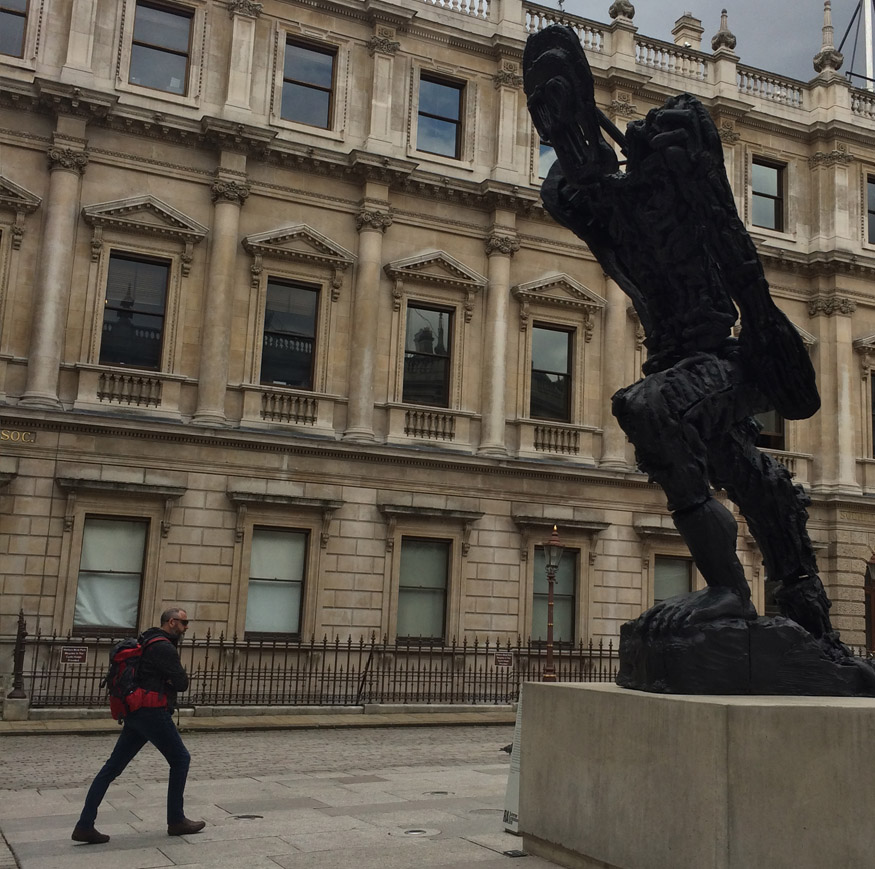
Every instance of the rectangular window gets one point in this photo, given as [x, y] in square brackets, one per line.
[133, 311]
[771, 436]
[563, 597]
[110, 574]
[422, 588]
[870, 210]
[768, 195]
[546, 158]
[289, 335]
[13, 19]
[160, 47]
[308, 81]
[427, 356]
[276, 581]
[551, 374]
[439, 126]
[671, 577]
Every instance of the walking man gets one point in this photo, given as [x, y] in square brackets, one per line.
[160, 671]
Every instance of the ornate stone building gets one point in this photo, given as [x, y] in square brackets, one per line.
[286, 336]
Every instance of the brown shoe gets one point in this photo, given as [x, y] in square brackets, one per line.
[89, 836]
[185, 827]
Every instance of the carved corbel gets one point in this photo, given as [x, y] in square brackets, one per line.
[524, 315]
[336, 282]
[166, 523]
[325, 533]
[186, 258]
[241, 519]
[524, 544]
[391, 524]
[397, 294]
[96, 243]
[68, 512]
[18, 230]
[588, 324]
[255, 270]
[469, 305]
[466, 537]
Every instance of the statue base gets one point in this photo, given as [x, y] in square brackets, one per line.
[617, 779]
[734, 656]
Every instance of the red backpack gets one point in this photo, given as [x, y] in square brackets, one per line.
[121, 680]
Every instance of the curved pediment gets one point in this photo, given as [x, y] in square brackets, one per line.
[435, 267]
[145, 215]
[301, 243]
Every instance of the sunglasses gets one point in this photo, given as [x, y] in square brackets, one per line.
[181, 621]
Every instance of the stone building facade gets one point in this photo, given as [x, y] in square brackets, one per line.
[286, 336]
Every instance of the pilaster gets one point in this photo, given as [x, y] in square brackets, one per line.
[618, 344]
[244, 16]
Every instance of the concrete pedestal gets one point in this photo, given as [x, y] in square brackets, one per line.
[619, 779]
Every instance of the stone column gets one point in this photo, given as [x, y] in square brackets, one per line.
[229, 192]
[500, 247]
[618, 346]
[67, 161]
[371, 222]
[244, 14]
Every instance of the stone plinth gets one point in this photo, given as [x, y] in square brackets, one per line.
[617, 779]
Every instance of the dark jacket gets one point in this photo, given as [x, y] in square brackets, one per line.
[160, 667]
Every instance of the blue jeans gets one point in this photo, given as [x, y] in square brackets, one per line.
[145, 725]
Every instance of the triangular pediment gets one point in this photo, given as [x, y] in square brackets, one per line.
[558, 289]
[435, 267]
[15, 198]
[300, 243]
[144, 214]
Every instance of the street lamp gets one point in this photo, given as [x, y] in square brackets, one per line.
[552, 554]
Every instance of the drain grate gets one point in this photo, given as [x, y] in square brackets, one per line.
[247, 817]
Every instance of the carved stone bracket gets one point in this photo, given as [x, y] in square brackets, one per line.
[394, 512]
[229, 191]
[727, 133]
[623, 107]
[68, 159]
[241, 521]
[245, 7]
[382, 44]
[865, 347]
[508, 76]
[824, 159]
[19, 201]
[166, 523]
[640, 334]
[829, 305]
[540, 526]
[506, 245]
[369, 219]
[70, 510]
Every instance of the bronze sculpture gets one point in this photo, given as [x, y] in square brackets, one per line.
[664, 226]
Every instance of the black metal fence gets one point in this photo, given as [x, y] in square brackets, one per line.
[58, 672]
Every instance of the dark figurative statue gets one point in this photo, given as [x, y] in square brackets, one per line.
[662, 223]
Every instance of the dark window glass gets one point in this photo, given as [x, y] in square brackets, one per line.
[563, 597]
[771, 436]
[160, 47]
[770, 605]
[872, 397]
[289, 335]
[870, 209]
[439, 130]
[276, 581]
[551, 374]
[427, 356]
[13, 18]
[308, 78]
[422, 588]
[133, 312]
[671, 577]
[546, 158]
[869, 596]
[768, 195]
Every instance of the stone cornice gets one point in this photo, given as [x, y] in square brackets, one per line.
[66, 99]
[230, 136]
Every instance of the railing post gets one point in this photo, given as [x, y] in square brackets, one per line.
[17, 692]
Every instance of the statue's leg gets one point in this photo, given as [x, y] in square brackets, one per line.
[775, 510]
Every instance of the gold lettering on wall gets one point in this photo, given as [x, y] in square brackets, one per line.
[16, 436]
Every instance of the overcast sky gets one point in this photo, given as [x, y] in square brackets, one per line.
[779, 36]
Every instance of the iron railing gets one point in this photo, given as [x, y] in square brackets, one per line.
[65, 671]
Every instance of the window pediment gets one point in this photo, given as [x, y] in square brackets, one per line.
[299, 243]
[437, 268]
[866, 348]
[560, 291]
[17, 199]
[145, 214]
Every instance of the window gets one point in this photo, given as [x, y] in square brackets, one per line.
[439, 128]
[768, 195]
[563, 597]
[770, 603]
[546, 158]
[870, 210]
[110, 574]
[308, 79]
[276, 581]
[133, 312]
[671, 577]
[160, 47]
[13, 20]
[771, 436]
[289, 335]
[427, 356]
[422, 588]
[551, 374]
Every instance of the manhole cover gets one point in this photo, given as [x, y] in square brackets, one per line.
[416, 832]
[247, 817]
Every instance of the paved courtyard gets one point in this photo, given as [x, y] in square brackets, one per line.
[387, 798]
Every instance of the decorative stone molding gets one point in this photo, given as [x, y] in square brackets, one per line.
[20, 202]
[229, 191]
[865, 347]
[828, 59]
[299, 243]
[508, 75]
[392, 512]
[65, 99]
[382, 44]
[68, 159]
[727, 133]
[245, 7]
[621, 9]
[439, 268]
[640, 334]
[560, 291]
[243, 499]
[837, 157]
[143, 215]
[724, 37]
[622, 107]
[541, 526]
[232, 136]
[368, 219]
[507, 245]
[829, 305]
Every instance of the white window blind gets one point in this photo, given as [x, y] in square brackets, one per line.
[276, 580]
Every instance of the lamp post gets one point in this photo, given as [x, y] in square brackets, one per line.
[552, 555]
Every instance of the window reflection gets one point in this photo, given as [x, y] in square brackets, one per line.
[439, 125]
[308, 77]
[13, 17]
[427, 356]
[160, 48]
[551, 374]
[289, 335]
